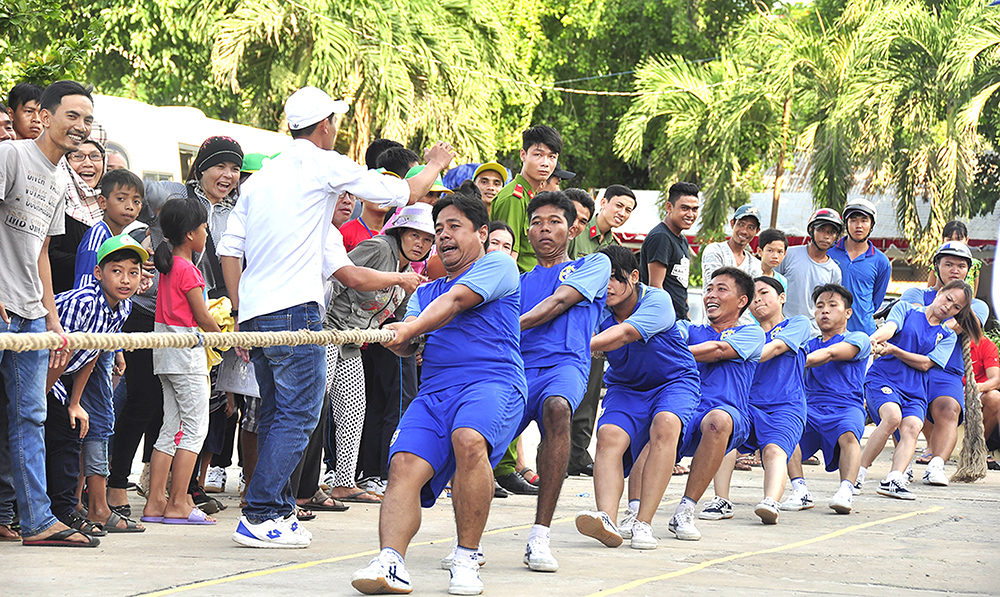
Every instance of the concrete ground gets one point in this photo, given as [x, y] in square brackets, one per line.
[945, 542]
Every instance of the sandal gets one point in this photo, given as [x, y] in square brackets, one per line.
[680, 470]
[78, 522]
[125, 510]
[111, 526]
[205, 502]
[9, 534]
[304, 515]
[318, 502]
[529, 476]
[925, 458]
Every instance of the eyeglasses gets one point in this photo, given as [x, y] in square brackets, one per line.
[80, 156]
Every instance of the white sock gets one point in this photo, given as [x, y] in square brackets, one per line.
[936, 461]
[389, 553]
[862, 473]
[538, 532]
[846, 485]
[466, 556]
[799, 484]
[686, 503]
[633, 505]
[894, 476]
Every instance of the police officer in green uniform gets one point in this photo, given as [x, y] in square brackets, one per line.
[616, 208]
[540, 149]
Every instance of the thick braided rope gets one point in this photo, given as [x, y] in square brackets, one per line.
[135, 341]
[972, 459]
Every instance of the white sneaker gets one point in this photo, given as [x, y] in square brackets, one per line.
[682, 525]
[538, 556]
[842, 501]
[599, 526]
[908, 473]
[642, 536]
[934, 475]
[382, 575]
[243, 484]
[465, 579]
[374, 485]
[293, 523]
[799, 500]
[767, 510]
[215, 480]
[895, 489]
[328, 481]
[448, 559]
[273, 533]
[859, 484]
[625, 526]
[718, 509]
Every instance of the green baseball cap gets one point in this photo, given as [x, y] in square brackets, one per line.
[437, 187]
[253, 162]
[117, 243]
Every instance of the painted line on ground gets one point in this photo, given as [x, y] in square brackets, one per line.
[747, 554]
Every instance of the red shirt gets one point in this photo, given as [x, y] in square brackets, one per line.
[354, 232]
[984, 355]
[172, 307]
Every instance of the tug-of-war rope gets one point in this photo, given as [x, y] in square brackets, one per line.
[971, 461]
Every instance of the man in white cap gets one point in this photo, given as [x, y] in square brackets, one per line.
[282, 228]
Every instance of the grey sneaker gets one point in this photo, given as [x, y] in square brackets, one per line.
[682, 525]
[625, 526]
[717, 509]
[798, 501]
[896, 489]
[768, 510]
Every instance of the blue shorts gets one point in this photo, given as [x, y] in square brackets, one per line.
[564, 380]
[941, 383]
[633, 411]
[97, 399]
[492, 408]
[825, 425]
[692, 435]
[778, 425]
[878, 393]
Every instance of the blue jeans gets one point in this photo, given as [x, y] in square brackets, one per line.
[23, 376]
[291, 381]
[7, 494]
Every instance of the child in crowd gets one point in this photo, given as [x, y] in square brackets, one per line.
[912, 341]
[78, 408]
[121, 199]
[181, 307]
[771, 247]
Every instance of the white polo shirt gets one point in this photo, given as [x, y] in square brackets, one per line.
[282, 224]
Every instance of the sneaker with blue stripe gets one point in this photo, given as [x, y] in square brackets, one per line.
[383, 574]
[274, 533]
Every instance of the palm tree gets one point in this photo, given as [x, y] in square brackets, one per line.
[932, 71]
[415, 72]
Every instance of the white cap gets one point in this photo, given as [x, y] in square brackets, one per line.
[416, 216]
[309, 105]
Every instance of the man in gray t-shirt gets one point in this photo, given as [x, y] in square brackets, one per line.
[807, 267]
[32, 206]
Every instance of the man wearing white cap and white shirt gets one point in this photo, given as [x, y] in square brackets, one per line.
[282, 228]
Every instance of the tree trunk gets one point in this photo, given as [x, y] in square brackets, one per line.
[779, 170]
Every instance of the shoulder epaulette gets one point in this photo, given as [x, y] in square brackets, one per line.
[518, 191]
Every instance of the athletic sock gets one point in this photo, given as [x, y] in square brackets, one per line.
[936, 461]
[538, 531]
[685, 503]
[633, 505]
[464, 555]
[846, 485]
[799, 485]
[391, 554]
[894, 476]
[862, 473]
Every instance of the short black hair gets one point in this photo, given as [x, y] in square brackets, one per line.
[54, 93]
[500, 225]
[772, 282]
[769, 236]
[583, 198]
[122, 178]
[542, 135]
[120, 255]
[22, 93]
[835, 289]
[471, 208]
[305, 132]
[376, 148]
[619, 190]
[955, 227]
[469, 188]
[397, 160]
[623, 262]
[744, 283]
[556, 198]
[681, 189]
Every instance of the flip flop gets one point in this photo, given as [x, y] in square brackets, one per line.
[357, 499]
[8, 534]
[304, 515]
[680, 470]
[111, 526]
[151, 519]
[195, 517]
[925, 458]
[61, 539]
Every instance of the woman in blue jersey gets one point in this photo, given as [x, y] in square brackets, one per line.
[777, 403]
[912, 342]
[652, 383]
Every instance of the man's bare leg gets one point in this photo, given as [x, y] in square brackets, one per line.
[553, 456]
[716, 429]
[775, 462]
[472, 486]
[399, 516]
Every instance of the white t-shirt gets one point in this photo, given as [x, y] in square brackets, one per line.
[282, 225]
[32, 207]
[804, 275]
[719, 255]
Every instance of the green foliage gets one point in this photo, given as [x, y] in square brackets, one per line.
[34, 46]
